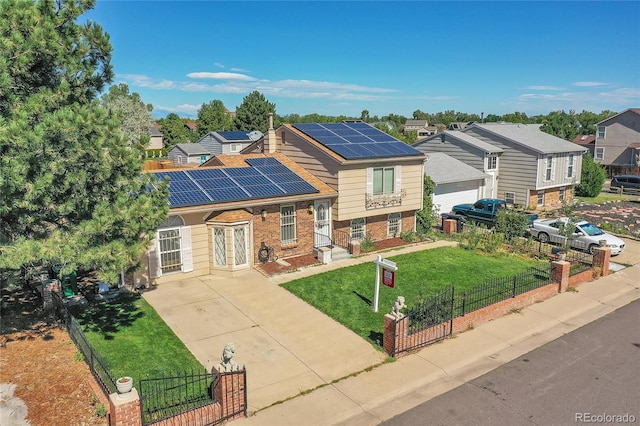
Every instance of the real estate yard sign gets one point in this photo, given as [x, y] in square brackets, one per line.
[388, 278]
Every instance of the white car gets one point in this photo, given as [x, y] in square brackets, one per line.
[587, 235]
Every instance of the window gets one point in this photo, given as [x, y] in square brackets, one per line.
[240, 245]
[383, 180]
[287, 224]
[219, 247]
[549, 168]
[562, 193]
[599, 154]
[393, 224]
[170, 251]
[541, 198]
[492, 162]
[203, 158]
[358, 229]
[235, 147]
[570, 166]
[510, 197]
[602, 132]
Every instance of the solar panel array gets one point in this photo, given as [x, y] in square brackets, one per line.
[356, 140]
[266, 178]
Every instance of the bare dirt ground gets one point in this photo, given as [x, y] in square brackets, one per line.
[40, 359]
[622, 214]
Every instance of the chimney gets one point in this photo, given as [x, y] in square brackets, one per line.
[270, 139]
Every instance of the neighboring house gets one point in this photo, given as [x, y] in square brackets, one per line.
[455, 182]
[587, 141]
[191, 125]
[228, 142]
[221, 217]
[617, 144]
[379, 179]
[155, 141]
[421, 127]
[469, 150]
[188, 153]
[530, 167]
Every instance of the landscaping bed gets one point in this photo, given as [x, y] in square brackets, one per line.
[620, 217]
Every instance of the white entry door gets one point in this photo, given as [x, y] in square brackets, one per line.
[322, 224]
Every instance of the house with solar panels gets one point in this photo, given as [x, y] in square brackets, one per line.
[228, 142]
[235, 211]
[379, 179]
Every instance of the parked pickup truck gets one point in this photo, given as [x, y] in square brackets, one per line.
[484, 211]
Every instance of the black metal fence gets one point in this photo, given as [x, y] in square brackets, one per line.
[165, 397]
[499, 289]
[436, 314]
[99, 368]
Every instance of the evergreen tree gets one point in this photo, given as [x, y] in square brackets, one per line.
[173, 131]
[253, 113]
[426, 216]
[71, 188]
[592, 178]
[213, 117]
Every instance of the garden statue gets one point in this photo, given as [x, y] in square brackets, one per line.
[227, 364]
[397, 305]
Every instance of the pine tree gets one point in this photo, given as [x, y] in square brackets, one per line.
[253, 113]
[71, 187]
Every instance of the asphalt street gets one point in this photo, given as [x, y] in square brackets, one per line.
[591, 375]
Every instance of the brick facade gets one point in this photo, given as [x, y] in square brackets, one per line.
[267, 230]
[551, 196]
[377, 227]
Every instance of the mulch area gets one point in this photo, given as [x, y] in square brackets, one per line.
[622, 214]
[298, 262]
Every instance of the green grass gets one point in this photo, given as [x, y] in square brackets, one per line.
[133, 339]
[347, 294]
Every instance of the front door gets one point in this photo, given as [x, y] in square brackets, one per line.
[322, 224]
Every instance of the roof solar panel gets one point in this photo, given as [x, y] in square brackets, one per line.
[252, 180]
[259, 162]
[264, 191]
[295, 188]
[242, 172]
[187, 198]
[174, 176]
[225, 195]
[217, 183]
[353, 140]
[207, 173]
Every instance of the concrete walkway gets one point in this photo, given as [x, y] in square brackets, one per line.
[290, 347]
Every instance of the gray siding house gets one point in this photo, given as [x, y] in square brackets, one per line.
[531, 167]
[481, 155]
[617, 144]
[184, 153]
[455, 182]
[228, 142]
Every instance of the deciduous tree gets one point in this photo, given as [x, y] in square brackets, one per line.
[213, 117]
[134, 115]
[71, 188]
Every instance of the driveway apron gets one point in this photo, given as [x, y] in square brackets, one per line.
[286, 345]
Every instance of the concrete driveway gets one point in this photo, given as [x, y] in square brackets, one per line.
[287, 346]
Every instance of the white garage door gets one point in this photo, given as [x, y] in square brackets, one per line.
[449, 194]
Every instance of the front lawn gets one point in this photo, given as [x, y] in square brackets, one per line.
[347, 294]
[132, 338]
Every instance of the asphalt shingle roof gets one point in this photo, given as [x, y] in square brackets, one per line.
[443, 168]
[529, 135]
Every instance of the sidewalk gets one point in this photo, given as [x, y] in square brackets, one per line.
[373, 396]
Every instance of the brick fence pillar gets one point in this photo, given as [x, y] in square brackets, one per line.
[124, 409]
[48, 287]
[395, 334]
[601, 259]
[560, 274]
[230, 392]
[355, 248]
[450, 226]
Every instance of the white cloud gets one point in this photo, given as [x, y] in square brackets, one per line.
[220, 76]
[545, 88]
[184, 108]
[612, 99]
[239, 70]
[218, 64]
[589, 83]
[138, 80]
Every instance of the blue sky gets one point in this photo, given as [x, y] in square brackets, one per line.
[335, 58]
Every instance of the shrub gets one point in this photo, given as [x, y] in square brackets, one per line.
[494, 241]
[512, 224]
[367, 243]
[591, 179]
